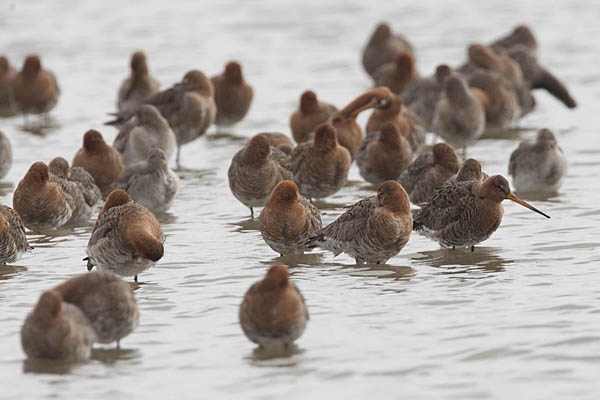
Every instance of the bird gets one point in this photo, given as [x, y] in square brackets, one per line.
[470, 170]
[6, 156]
[7, 74]
[373, 230]
[188, 106]
[57, 330]
[383, 155]
[106, 300]
[145, 131]
[150, 183]
[34, 89]
[522, 35]
[102, 161]
[499, 85]
[79, 187]
[255, 170]
[459, 116]
[348, 132]
[428, 171]
[320, 167]
[465, 214]
[397, 73]
[405, 120]
[138, 86]
[539, 77]
[280, 141]
[288, 220]
[42, 203]
[127, 238]
[273, 313]
[538, 166]
[13, 240]
[382, 47]
[310, 113]
[422, 94]
[233, 95]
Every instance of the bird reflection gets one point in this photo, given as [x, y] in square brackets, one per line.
[10, 271]
[276, 354]
[386, 271]
[111, 355]
[55, 367]
[484, 259]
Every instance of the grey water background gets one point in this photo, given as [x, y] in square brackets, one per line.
[519, 318]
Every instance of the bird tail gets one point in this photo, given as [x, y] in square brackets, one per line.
[117, 119]
[314, 241]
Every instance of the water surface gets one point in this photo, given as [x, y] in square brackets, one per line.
[519, 318]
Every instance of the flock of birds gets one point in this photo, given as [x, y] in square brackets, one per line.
[459, 205]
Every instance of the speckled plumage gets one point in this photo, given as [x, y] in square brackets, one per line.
[80, 189]
[127, 238]
[13, 241]
[288, 220]
[255, 170]
[462, 214]
[320, 167]
[538, 166]
[106, 300]
[57, 330]
[145, 131]
[150, 183]
[42, 203]
[372, 230]
[273, 312]
[137, 87]
[429, 171]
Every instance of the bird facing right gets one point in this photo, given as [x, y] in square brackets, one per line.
[273, 313]
[464, 214]
[538, 166]
[372, 230]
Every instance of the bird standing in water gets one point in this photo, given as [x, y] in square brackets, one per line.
[465, 214]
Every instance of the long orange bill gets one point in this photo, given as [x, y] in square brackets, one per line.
[517, 200]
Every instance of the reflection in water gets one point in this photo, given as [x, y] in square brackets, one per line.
[483, 258]
[226, 136]
[110, 356]
[507, 134]
[106, 356]
[56, 367]
[10, 271]
[277, 355]
[41, 126]
[404, 273]
[6, 188]
[248, 224]
[298, 260]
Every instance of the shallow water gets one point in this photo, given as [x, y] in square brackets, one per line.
[519, 318]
